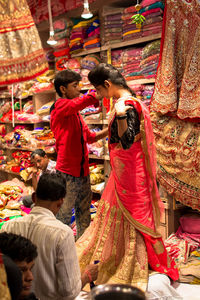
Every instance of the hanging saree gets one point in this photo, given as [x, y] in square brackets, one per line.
[178, 149]
[4, 290]
[177, 86]
[21, 54]
[123, 235]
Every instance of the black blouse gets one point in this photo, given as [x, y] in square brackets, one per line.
[133, 129]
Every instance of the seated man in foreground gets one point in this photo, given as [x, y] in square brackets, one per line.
[56, 272]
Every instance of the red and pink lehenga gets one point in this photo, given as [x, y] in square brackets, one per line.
[123, 235]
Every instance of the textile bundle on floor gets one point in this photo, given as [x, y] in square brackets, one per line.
[21, 54]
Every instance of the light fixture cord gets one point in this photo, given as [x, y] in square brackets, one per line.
[50, 16]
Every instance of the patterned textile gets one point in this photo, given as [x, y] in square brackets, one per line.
[123, 236]
[177, 145]
[21, 54]
[177, 85]
[4, 291]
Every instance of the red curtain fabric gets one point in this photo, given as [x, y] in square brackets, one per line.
[39, 8]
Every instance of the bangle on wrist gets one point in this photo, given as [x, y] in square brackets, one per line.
[88, 275]
[123, 117]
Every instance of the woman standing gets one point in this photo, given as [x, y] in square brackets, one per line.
[123, 236]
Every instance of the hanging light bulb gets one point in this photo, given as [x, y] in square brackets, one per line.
[86, 14]
[51, 41]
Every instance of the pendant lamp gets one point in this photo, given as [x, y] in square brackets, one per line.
[51, 41]
[86, 14]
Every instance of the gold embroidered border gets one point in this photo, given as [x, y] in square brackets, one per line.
[135, 223]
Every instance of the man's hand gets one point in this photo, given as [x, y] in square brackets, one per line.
[34, 171]
[90, 274]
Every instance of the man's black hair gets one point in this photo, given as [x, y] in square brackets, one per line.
[17, 247]
[64, 78]
[51, 187]
[39, 152]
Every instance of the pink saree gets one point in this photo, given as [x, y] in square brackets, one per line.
[123, 235]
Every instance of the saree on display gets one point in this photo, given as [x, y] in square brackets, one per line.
[123, 235]
[177, 87]
[21, 54]
[175, 103]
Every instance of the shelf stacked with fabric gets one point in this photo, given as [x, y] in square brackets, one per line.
[152, 10]
[92, 39]
[112, 25]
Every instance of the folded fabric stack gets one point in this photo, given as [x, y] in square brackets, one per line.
[92, 39]
[112, 25]
[131, 63]
[97, 147]
[117, 59]
[97, 178]
[147, 93]
[3, 158]
[143, 92]
[20, 137]
[150, 58]
[62, 28]
[78, 34]
[10, 194]
[87, 64]
[152, 10]
[130, 31]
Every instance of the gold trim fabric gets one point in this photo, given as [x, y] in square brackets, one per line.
[178, 157]
[21, 54]
[177, 86]
[118, 246]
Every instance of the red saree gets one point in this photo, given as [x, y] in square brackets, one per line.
[123, 235]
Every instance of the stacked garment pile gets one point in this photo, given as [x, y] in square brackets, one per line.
[11, 193]
[78, 34]
[184, 247]
[143, 92]
[150, 58]
[152, 10]
[97, 178]
[87, 64]
[130, 31]
[131, 63]
[96, 148]
[3, 158]
[20, 163]
[62, 29]
[92, 39]
[117, 61]
[21, 137]
[112, 25]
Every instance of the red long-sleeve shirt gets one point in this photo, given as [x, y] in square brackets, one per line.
[71, 134]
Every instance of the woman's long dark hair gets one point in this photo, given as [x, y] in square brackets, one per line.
[102, 72]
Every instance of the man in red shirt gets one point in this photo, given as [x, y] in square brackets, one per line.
[72, 134]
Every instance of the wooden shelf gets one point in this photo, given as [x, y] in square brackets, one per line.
[132, 42]
[51, 91]
[9, 172]
[104, 157]
[24, 122]
[98, 122]
[86, 52]
[26, 149]
[141, 81]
